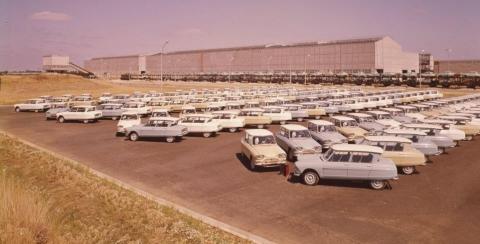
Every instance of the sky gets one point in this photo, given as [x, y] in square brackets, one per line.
[93, 28]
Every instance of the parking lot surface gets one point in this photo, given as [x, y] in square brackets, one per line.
[439, 204]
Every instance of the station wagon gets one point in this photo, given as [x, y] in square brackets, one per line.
[296, 140]
[325, 133]
[167, 128]
[261, 150]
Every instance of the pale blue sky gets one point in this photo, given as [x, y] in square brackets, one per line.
[85, 29]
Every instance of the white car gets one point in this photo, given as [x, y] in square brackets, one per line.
[127, 119]
[448, 128]
[80, 113]
[32, 105]
[160, 112]
[137, 107]
[201, 123]
[229, 120]
[384, 118]
[277, 114]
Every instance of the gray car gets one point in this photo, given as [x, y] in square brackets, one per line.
[419, 139]
[347, 162]
[367, 122]
[167, 128]
[298, 113]
[296, 140]
[325, 133]
[111, 110]
[54, 109]
[433, 133]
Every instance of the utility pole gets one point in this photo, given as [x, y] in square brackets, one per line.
[305, 68]
[161, 60]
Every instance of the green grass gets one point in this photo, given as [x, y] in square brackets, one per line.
[44, 199]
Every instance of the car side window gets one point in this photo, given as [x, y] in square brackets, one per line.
[339, 157]
[312, 127]
[361, 157]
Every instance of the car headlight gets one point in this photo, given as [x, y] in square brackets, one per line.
[282, 155]
[328, 142]
[318, 148]
[259, 156]
[351, 136]
[298, 148]
[120, 126]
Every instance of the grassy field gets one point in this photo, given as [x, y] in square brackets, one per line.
[47, 200]
[17, 88]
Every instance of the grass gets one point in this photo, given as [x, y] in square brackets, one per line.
[44, 199]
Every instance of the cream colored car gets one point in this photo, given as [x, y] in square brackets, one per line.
[254, 117]
[399, 150]
[261, 150]
[348, 127]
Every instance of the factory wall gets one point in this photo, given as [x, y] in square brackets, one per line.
[113, 67]
[457, 66]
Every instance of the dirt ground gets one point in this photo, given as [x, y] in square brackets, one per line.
[439, 204]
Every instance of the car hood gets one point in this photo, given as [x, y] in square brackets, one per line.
[331, 136]
[357, 131]
[272, 150]
[306, 143]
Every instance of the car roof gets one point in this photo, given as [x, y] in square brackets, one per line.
[387, 139]
[164, 118]
[199, 115]
[392, 109]
[84, 106]
[293, 127]
[356, 148]
[225, 112]
[377, 112]
[362, 115]
[258, 132]
[405, 131]
[422, 126]
[187, 107]
[159, 110]
[320, 122]
[341, 118]
[112, 104]
[129, 113]
[437, 121]
[253, 109]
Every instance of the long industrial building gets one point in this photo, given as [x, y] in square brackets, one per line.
[368, 55]
[457, 66]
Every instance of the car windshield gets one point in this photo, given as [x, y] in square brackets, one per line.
[347, 123]
[129, 117]
[274, 111]
[159, 114]
[263, 140]
[384, 116]
[365, 119]
[300, 134]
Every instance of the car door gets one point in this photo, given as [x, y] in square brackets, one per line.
[360, 165]
[336, 166]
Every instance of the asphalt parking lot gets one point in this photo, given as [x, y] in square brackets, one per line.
[440, 204]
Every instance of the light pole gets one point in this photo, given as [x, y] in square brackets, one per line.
[230, 68]
[305, 68]
[161, 60]
[449, 50]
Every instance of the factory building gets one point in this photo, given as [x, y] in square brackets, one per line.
[369, 55]
[457, 66]
[114, 67]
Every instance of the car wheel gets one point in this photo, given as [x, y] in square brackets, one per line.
[378, 184]
[282, 122]
[310, 178]
[290, 156]
[36, 110]
[468, 138]
[170, 139]
[232, 130]
[133, 136]
[299, 119]
[260, 126]
[207, 134]
[408, 170]
[317, 117]
[61, 119]
[114, 118]
[17, 109]
[85, 121]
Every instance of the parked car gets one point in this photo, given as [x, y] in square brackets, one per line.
[367, 122]
[399, 150]
[36, 105]
[277, 114]
[296, 140]
[398, 115]
[127, 120]
[298, 113]
[138, 107]
[84, 100]
[229, 120]
[105, 97]
[118, 98]
[463, 123]
[348, 127]
[434, 133]
[347, 162]
[56, 108]
[85, 114]
[448, 128]
[329, 107]
[384, 118]
[325, 133]
[261, 150]
[187, 110]
[419, 139]
[255, 117]
[160, 112]
[111, 110]
[201, 123]
[166, 127]
[313, 110]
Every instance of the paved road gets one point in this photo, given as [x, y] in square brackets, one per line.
[439, 204]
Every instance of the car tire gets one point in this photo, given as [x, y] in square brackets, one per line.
[290, 156]
[232, 130]
[260, 126]
[85, 121]
[317, 117]
[207, 134]
[253, 167]
[378, 184]
[36, 110]
[170, 139]
[283, 122]
[408, 170]
[299, 119]
[61, 119]
[114, 118]
[310, 178]
[133, 136]
[17, 109]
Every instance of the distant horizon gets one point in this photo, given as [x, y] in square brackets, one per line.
[89, 29]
